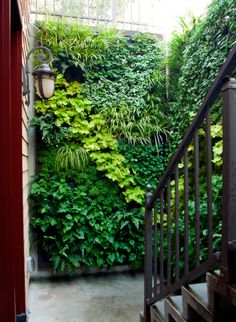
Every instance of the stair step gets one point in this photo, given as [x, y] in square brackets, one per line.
[195, 302]
[221, 302]
[200, 291]
[213, 282]
[158, 312]
[174, 309]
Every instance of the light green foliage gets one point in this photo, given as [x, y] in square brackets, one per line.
[71, 110]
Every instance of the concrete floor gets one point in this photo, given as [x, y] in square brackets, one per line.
[103, 298]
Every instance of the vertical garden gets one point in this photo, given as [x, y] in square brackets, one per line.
[111, 128]
[98, 145]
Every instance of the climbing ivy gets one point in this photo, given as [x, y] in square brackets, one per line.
[204, 52]
[199, 53]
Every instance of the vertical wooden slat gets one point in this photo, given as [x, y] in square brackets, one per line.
[123, 17]
[155, 255]
[177, 222]
[63, 8]
[228, 261]
[209, 183]
[161, 241]
[169, 233]
[7, 303]
[196, 196]
[16, 119]
[186, 219]
[148, 253]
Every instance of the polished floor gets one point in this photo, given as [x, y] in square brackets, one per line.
[102, 298]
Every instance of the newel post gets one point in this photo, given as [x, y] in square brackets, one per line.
[228, 255]
[148, 255]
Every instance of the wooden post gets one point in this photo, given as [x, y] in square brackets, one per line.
[228, 256]
[148, 256]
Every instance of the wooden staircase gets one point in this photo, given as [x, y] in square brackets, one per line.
[202, 302]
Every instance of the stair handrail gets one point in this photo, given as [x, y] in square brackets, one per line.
[150, 294]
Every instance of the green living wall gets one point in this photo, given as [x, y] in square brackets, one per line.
[99, 144]
[110, 129]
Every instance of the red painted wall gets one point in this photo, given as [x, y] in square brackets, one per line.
[12, 284]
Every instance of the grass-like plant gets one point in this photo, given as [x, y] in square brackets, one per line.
[71, 157]
[137, 127]
[78, 44]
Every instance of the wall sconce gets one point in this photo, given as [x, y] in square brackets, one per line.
[44, 78]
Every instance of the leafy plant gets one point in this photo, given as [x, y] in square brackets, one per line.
[71, 110]
[50, 134]
[71, 156]
[83, 219]
[128, 86]
[146, 162]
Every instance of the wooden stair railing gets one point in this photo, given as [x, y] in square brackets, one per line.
[201, 302]
[167, 208]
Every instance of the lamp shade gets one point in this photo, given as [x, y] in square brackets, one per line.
[44, 80]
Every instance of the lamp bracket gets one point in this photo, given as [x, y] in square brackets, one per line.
[43, 57]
